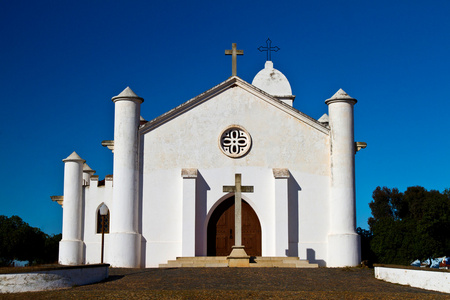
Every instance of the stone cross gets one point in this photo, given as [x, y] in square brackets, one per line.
[268, 49]
[237, 189]
[233, 52]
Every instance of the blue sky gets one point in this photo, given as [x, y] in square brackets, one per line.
[62, 61]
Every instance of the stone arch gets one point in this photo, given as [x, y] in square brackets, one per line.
[223, 198]
[220, 228]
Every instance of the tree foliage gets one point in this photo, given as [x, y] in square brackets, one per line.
[20, 241]
[367, 255]
[410, 225]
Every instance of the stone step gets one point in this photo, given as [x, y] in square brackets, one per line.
[169, 265]
[197, 262]
[201, 258]
[221, 262]
[264, 258]
[194, 265]
[282, 262]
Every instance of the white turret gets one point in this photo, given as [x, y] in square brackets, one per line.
[87, 173]
[343, 242]
[125, 239]
[71, 245]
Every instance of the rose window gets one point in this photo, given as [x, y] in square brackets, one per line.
[235, 141]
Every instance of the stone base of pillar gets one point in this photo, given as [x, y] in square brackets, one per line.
[71, 252]
[344, 250]
[124, 250]
[238, 257]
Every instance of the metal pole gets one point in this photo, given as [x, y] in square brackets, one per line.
[103, 236]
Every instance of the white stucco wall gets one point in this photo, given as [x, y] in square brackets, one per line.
[94, 196]
[434, 280]
[279, 141]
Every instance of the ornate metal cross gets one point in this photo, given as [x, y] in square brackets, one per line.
[237, 189]
[234, 52]
[268, 49]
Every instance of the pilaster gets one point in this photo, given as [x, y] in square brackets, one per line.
[188, 218]
[281, 211]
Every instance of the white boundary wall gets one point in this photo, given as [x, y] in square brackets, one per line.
[429, 279]
[52, 279]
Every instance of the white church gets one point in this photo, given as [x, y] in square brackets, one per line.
[236, 167]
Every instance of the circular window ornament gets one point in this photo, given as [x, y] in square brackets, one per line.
[235, 141]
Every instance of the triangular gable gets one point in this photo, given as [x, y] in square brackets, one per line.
[230, 83]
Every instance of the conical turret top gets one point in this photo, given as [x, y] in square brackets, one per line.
[73, 157]
[127, 93]
[87, 169]
[340, 95]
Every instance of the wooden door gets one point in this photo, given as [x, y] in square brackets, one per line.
[221, 230]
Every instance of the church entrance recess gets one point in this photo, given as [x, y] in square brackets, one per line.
[220, 237]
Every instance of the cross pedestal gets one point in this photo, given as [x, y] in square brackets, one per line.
[238, 257]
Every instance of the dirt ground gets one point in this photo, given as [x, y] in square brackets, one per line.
[237, 283]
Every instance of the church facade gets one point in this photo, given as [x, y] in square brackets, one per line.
[168, 196]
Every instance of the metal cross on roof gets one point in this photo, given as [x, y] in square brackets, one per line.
[234, 52]
[268, 49]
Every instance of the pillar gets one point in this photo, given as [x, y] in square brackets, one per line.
[188, 217]
[71, 245]
[343, 241]
[125, 240]
[281, 212]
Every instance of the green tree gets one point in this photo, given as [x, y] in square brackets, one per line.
[51, 249]
[20, 241]
[409, 225]
[366, 252]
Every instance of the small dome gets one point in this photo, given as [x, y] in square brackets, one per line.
[272, 81]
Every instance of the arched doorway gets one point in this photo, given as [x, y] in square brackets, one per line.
[221, 231]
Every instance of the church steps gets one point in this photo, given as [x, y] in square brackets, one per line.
[222, 261]
[202, 258]
[282, 262]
